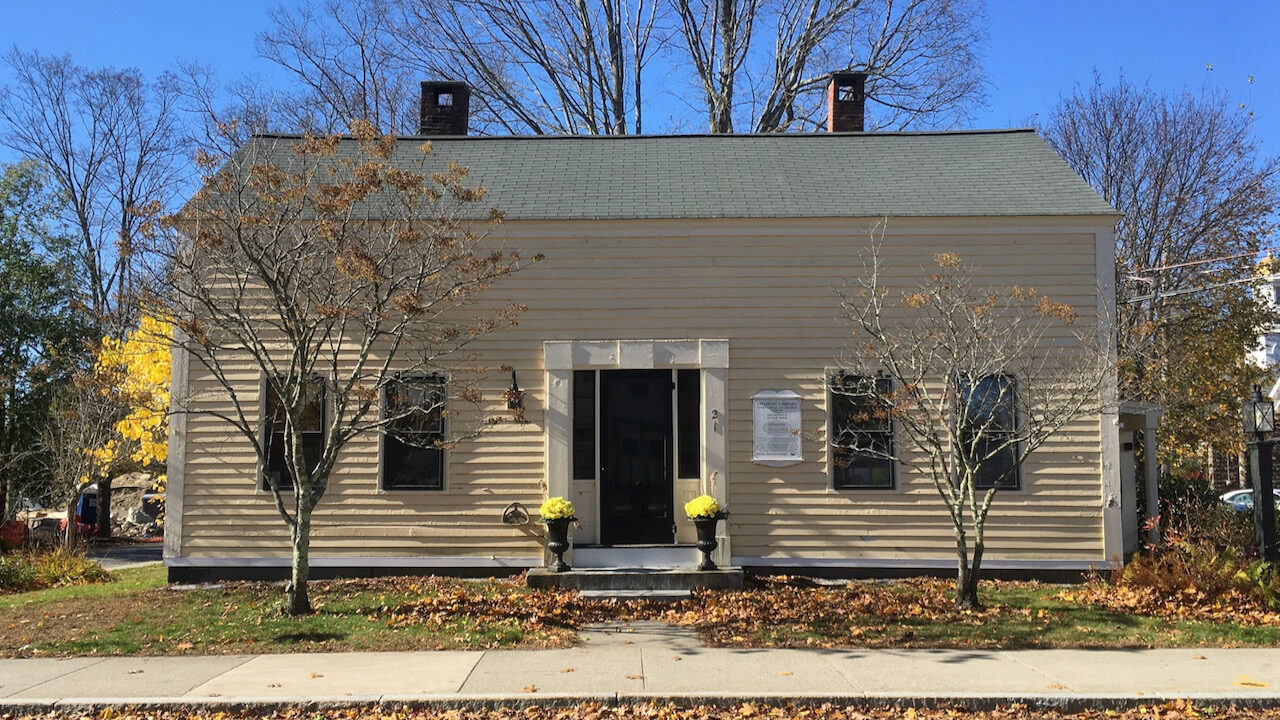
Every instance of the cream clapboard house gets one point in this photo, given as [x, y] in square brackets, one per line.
[688, 279]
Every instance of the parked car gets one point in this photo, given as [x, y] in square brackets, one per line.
[1242, 500]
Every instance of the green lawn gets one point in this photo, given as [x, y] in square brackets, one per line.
[124, 582]
[137, 614]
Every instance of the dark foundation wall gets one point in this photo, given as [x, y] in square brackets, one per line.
[274, 574]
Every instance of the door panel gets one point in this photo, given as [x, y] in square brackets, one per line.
[636, 493]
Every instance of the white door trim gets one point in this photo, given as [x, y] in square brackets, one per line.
[562, 357]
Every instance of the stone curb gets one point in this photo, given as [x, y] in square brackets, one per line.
[1066, 702]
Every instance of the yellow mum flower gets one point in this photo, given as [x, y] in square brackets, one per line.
[556, 508]
[703, 506]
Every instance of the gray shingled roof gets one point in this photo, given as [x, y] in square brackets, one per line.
[980, 173]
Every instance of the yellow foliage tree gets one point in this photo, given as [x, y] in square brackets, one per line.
[134, 372]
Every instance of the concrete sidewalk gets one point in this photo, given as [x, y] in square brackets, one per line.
[654, 661]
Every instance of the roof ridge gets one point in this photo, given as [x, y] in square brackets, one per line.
[910, 174]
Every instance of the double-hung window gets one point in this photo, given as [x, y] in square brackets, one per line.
[862, 432]
[988, 429]
[275, 433]
[413, 439]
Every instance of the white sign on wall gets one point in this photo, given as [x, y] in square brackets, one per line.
[775, 418]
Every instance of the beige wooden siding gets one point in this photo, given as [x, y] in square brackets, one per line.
[769, 287]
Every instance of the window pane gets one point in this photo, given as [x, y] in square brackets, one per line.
[999, 468]
[412, 458]
[688, 406]
[409, 467]
[862, 432]
[861, 470]
[419, 402]
[311, 417]
[990, 402]
[584, 424]
[277, 467]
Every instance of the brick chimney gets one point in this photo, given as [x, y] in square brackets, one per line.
[846, 101]
[443, 109]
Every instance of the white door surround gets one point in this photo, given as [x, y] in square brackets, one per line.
[562, 357]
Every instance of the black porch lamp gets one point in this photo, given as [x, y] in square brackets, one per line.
[1259, 415]
[515, 396]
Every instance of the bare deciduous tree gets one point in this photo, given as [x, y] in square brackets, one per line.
[974, 380]
[110, 143]
[570, 66]
[546, 66]
[81, 418]
[336, 269]
[222, 118]
[920, 56]
[1197, 199]
[347, 65]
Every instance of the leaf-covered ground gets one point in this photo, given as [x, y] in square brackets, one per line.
[797, 612]
[1179, 710]
[138, 615]
[1186, 603]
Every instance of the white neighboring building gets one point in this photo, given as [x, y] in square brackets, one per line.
[1268, 286]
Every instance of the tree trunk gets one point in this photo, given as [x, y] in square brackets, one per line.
[722, 106]
[298, 602]
[104, 508]
[69, 537]
[967, 582]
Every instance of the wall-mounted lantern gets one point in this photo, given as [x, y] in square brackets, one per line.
[514, 395]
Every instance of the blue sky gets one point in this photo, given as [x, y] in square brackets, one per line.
[1038, 49]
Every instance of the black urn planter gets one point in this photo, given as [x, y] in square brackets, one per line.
[707, 540]
[558, 542]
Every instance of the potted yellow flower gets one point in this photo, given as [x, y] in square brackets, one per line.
[557, 513]
[705, 512]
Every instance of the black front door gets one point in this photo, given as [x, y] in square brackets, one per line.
[635, 458]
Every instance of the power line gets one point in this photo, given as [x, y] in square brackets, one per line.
[1186, 291]
[1158, 268]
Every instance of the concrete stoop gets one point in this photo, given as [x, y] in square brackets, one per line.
[654, 583]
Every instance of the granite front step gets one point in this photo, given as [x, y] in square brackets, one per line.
[655, 595]
[637, 579]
